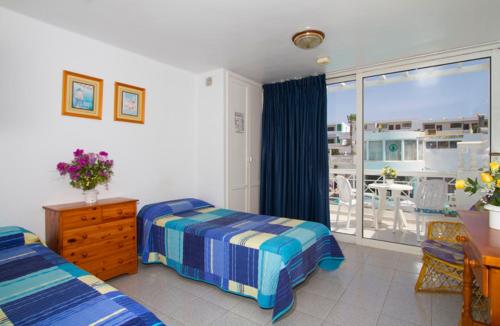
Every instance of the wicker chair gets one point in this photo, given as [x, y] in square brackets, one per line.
[443, 265]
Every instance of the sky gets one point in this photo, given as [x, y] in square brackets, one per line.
[459, 95]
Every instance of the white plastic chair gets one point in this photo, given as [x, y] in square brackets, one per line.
[431, 195]
[347, 197]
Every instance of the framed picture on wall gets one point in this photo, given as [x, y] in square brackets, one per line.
[129, 103]
[82, 95]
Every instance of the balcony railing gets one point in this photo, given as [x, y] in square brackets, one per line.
[412, 178]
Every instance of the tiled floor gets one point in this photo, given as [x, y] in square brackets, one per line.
[372, 287]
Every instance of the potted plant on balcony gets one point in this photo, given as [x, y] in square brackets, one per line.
[490, 185]
[86, 171]
[389, 174]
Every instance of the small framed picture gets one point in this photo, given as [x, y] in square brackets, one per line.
[239, 122]
[129, 103]
[82, 95]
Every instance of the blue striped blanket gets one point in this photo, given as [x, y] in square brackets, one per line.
[257, 256]
[38, 287]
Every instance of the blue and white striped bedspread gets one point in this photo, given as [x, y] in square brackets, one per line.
[38, 287]
[258, 256]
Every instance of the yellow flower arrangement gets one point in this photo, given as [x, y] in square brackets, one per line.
[490, 179]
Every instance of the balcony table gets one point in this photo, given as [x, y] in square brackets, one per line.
[396, 190]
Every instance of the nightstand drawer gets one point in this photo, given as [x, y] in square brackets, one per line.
[81, 218]
[121, 229]
[118, 211]
[81, 255]
[115, 261]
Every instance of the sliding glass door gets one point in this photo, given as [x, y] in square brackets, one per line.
[342, 154]
[399, 130]
[421, 127]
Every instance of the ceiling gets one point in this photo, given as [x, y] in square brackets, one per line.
[252, 38]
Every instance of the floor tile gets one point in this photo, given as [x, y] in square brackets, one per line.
[385, 320]
[251, 310]
[375, 273]
[409, 263]
[404, 277]
[231, 319]
[297, 318]
[219, 297]
[353, 315]
[446, 309]
[199, 312]
[329, 288]
[383, 258]
[164, 318]
[313, 304]
[403, 303]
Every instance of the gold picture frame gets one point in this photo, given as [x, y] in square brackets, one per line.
[129, 103]
[81, 95]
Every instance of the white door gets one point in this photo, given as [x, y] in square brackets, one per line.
[244, 101]
[237, 145]
[254, 112]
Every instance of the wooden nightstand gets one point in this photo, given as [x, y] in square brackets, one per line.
[100, 238]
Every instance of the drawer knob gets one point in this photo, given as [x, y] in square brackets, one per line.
[473, 263]
[84, 218]
[84, 254]
[84, 235]
[120, 227]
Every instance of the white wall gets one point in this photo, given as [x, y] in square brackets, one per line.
[210, 126]
[154, 161]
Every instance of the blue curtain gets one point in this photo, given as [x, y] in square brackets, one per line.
[294, 166]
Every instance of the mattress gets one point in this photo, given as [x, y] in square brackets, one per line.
[257, 256]
[39, 287]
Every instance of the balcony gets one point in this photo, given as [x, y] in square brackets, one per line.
[373, 206]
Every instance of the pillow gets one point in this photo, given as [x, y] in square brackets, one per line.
[171, 207]
[149, 213]
[13, 236]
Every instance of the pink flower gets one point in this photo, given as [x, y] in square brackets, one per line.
[62, 168]
[103, 153]
[78, 152]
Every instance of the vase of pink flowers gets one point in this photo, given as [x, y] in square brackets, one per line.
[86, 171]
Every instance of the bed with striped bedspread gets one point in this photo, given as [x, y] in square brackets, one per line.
[258, 256]
[38, 287]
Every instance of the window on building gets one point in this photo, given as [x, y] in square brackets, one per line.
[375, 150]
[443, 144]
[406, 125]
[398, 127]
[410, 150]
[466, 126]
[430, 145]
[331, 128]
[453, 144]
[393, 150]
[456, 125]
[429, 126]
[420, 149]
[439, 127]
[391, 127]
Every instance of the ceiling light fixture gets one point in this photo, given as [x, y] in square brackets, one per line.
[308, 39]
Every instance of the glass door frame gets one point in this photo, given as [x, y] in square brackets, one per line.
[491, 51]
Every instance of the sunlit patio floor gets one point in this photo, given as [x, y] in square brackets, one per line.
[385, 230]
